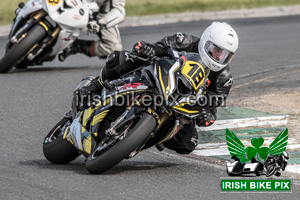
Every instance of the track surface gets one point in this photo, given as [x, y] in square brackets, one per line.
[33, 100]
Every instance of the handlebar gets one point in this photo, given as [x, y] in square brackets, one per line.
[143, 59]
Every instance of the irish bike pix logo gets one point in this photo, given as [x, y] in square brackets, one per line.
[263, 160]
[257, 160]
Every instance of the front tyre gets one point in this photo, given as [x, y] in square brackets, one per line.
[56, 150]
[19, 50]
[136, 136]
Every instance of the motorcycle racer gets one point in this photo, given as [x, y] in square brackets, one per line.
[217, 46]
[111, 13]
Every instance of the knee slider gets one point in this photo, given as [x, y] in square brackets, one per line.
[111, 60]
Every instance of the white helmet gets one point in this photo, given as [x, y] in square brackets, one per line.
[218, 45]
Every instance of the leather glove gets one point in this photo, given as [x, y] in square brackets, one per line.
[94, 27]
[205, 119]
[143, 50]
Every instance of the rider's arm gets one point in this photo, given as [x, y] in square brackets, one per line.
[178, 41]
[115, 16]
[217, 93]
[220, 86]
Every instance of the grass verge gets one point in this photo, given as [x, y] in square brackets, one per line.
[153, 7]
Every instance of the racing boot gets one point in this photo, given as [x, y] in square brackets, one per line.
[185, 141]
[79, 46]
[90, 93]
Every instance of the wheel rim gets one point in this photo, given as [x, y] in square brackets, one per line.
[113, 140]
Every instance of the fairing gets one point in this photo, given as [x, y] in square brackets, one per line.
[182, 82]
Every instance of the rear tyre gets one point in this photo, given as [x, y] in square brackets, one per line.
[55, 149]
[21, 66]
[135, 137]
[19, 50]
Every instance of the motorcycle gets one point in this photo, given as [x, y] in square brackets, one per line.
[143, 108]
[44, 28]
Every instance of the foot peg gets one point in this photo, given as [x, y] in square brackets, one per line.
[160, 147]
[107, 85]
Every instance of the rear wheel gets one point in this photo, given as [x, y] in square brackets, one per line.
[105, 156]
[19, 50]
[56, 150]
[21, 66]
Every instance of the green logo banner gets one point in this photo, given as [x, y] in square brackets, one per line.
[267, 161]
[241, 185]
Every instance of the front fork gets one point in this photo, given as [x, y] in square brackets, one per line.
[21, 33]
[51, 36]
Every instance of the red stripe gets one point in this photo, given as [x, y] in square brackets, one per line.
[207, 83]
[138, 46]
[210, 122]
[92, 49]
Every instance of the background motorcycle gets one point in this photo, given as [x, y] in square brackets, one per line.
[111, 130]
[44, 28]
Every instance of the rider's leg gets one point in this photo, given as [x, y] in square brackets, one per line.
[185, 141]
[79, 46]
[109, 41]
[117, 64]
[87, 94]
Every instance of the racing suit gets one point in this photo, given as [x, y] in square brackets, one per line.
[111, 13]
[218, 86]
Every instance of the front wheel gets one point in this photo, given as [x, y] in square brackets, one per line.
[110, 155]
[55, 148]
[19, 50]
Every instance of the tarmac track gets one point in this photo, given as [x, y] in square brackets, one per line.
[33, 100]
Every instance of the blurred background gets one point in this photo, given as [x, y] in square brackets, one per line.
[154, 7]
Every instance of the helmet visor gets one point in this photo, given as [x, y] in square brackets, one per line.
[218, 54]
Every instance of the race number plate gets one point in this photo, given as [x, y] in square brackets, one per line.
[53, 2]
